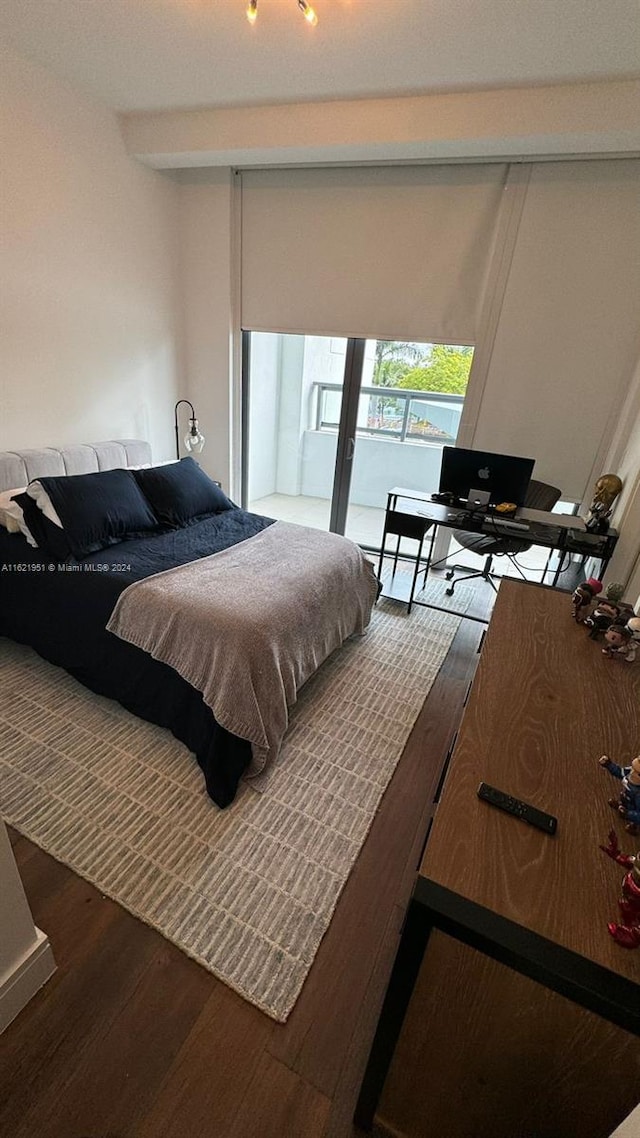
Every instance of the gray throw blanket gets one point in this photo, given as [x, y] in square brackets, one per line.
[247, 626]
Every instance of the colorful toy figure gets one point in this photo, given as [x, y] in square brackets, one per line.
[620, 642]
[583, 598]
[634, 627]
[614, 592]
[605, 493]
[604, 614]
[626, 932]
[628, 802]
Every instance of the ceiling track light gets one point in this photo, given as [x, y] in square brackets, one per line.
[308, 12]
[306, 9]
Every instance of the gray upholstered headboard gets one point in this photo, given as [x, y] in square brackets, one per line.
[19, 467]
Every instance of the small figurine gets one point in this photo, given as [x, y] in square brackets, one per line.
[606, 491]
[634, 627]
[614, 592]
[628, 802]
[604, 614]
[619, 642]
[583, 598]
[627, 932]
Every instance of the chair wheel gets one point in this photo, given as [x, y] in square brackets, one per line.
[449, 592]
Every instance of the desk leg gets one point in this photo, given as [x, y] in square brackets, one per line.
[556, 575]
[390, 499]
[546, 568]
[397, 554]
[427, 567]
[415, 573]
[411, 949]
[384, 536]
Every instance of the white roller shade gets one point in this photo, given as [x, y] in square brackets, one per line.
[387, 252]
[567, 336]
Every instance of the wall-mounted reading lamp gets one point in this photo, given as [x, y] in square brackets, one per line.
[194, 440]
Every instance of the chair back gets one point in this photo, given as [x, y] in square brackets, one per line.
[541, 496]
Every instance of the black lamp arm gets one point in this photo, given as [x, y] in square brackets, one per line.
[175, 419]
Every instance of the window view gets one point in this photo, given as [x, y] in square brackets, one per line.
[416, 392]
[409, 403]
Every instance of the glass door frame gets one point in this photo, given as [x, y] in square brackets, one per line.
[353, 368]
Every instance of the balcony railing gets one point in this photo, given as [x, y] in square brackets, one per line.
[398, 413]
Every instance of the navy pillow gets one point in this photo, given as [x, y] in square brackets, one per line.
[97, 510]
[48, 537]
[180, 492]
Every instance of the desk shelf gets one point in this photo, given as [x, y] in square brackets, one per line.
[401, 524]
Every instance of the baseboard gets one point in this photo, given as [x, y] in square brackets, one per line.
[27, 979]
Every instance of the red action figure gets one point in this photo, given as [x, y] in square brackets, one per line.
[628, 932]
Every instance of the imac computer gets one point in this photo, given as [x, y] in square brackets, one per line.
[497, 477]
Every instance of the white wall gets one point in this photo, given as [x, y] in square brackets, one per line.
[207, 289]
[26, 960]
[624, 460]
[263, 415]
[378, 465]
[295, 386]
[18, 932]
[88, 350]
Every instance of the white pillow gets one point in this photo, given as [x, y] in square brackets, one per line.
[8, 509]
[11, 516]
[42, 500]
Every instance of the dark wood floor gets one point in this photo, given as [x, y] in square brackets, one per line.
[131, 1039]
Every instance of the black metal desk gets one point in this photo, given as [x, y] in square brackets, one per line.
[412, 514]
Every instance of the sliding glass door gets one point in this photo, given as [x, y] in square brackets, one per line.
[330, 425]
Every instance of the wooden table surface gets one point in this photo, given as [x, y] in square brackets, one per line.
[545, 704]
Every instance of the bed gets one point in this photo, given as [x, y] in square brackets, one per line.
[243, 563]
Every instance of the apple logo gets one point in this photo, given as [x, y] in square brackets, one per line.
[483, 472]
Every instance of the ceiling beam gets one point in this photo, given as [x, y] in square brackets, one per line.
[585, 119]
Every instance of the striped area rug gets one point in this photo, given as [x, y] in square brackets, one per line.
[249, 891]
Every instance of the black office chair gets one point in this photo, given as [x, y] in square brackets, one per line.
[540, 496]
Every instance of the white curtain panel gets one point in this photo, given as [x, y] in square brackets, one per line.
[567, 336]
[393, 252]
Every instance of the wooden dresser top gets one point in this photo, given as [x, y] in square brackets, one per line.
[545, 704]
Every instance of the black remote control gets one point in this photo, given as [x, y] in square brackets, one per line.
[519, 809]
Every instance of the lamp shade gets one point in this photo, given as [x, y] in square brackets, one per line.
[194, 441]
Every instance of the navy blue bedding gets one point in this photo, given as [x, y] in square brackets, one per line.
[62, 610]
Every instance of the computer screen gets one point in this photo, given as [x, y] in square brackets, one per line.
[505, 476]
